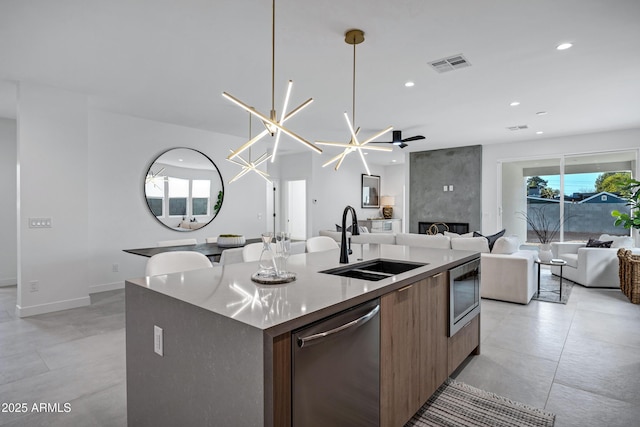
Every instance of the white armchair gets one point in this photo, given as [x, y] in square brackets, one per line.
[508, 277]
[591, 267]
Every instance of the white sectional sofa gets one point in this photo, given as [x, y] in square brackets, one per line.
[507, 273]
[591, 267]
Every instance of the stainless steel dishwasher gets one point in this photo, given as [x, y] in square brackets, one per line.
[336, 370]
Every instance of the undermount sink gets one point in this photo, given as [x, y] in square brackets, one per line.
[374, 270]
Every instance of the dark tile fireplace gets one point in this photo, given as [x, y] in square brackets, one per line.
[453, 227]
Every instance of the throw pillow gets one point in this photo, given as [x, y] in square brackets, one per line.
[361, 228]
[476, 244]
[593, 243]
[491, 239]
[455, 235]
[618, 241]
[506, 245]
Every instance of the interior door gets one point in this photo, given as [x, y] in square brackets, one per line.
[295, 209]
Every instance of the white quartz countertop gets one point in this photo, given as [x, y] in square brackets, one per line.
[229, 291]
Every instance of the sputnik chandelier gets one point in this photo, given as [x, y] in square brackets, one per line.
[354, 37]
[154, 178]
[273, 124]
[248, 165]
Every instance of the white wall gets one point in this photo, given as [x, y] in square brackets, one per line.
[52, 182]
[393, 185]
[121, 148]
[588, 143]
[513, 191]
[334, 190]
[8, 230]
[330, 191]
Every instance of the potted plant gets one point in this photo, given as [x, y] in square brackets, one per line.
[545, 227]
[629, 189]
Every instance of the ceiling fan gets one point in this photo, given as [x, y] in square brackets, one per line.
[397, 139]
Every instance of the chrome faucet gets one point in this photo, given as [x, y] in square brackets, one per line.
[345, 249]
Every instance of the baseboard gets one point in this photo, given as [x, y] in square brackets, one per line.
[12, 281]
[94, 289]
[52, 306]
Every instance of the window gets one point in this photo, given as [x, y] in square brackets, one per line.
[200, 192]
[579, 189]
[154, 189]
[178, 195]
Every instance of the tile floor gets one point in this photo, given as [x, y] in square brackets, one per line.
[73, 356]
[580, 360]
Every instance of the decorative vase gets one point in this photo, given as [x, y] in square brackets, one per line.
[230, 240]
[544, 253]
[267, 262]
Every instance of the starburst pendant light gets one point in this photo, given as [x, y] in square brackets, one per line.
[354, 37]
[273, 124]
[249, 165]
[155, 178]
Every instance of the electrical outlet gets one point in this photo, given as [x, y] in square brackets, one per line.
[34, 286]
[115, 268]
[158, 340]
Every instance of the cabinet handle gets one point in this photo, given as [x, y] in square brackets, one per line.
[405, 288]
[438, 275]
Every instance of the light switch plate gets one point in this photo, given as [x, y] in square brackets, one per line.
[445, 188]
[451, 188]
[40, 222]
[158, 340]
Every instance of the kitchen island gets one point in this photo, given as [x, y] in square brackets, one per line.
[226, 341]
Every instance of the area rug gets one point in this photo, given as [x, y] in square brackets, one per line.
[550, 288]
[456, 404]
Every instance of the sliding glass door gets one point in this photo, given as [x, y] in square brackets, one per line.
[591, 194]
[567, 198]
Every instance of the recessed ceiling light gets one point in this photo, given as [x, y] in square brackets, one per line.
[409, 84]
[514, 104]
[564, 46]
[180, 160]
[541, 113]
[393, 161]
[539, 132]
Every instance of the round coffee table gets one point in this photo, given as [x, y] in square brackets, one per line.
[554, 262]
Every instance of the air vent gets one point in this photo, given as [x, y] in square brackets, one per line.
[519, 127]
[449, 64]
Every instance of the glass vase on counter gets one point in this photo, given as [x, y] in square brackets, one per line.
[267, 257]
[273, 260]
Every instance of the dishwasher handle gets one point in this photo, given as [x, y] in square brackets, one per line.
[353, 324]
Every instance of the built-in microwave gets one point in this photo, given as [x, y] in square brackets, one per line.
[464, 295]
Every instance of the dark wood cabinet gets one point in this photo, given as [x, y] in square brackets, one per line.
[463, 343]
[434, 310]
[416, 354]
[399, 355]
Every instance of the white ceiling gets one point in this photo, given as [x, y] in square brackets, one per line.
[171, 60]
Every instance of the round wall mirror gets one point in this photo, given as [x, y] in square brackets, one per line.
[183, 189]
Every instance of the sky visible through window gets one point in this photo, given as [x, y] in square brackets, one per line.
[573, 183]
